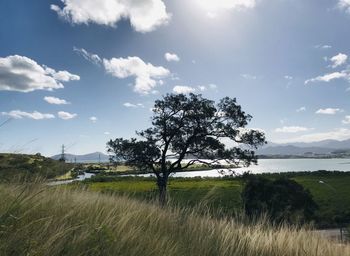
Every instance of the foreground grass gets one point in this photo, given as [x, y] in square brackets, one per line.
[35, 220]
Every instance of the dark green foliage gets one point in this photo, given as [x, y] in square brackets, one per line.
[281, 199]
[29, 167]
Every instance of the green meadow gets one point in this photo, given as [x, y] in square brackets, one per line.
[222, 195]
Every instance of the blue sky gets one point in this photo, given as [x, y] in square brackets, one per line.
[80, 72]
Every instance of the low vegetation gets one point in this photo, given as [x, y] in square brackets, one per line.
[41, 220]
[29, 167]
[223, 195]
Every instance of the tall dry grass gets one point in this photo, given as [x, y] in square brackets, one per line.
[36, 220]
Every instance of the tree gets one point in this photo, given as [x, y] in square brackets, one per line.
[189, 127]
[281, 199]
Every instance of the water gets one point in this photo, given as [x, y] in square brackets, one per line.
[264, 166]
[278, 165]
[80, 177]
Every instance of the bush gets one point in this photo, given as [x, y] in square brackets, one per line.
[281, 199]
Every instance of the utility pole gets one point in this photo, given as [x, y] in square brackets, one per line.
[63, 156]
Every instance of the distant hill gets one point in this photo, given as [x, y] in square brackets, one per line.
[325, 147]
[87, 158]
[334, 144]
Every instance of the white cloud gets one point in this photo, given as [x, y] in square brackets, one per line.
[214, 7]
[336, 134]
[213, 86]
[292, 129]
[329, 77]
[171, 57]
[328, 111]
[18, 114]
[106, 133]
[301, 109]
[55, 101]
[325, 46]
[183, 89]
[202, 88]
[22, 74]
[93, 119]
[144, 15]
[346, 120]
[131, 105]
[288, 77]
[93, 58]
[344, 5]
[248, 76]
[339, 60]
[65, 115]
[147, 76]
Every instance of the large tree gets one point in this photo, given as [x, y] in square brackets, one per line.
[189, 129]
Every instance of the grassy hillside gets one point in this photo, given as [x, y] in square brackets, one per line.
[20, 166]
[36, 220]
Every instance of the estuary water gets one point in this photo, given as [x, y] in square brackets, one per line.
[263, 166]
[278, 165]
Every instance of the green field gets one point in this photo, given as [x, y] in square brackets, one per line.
[223, 194]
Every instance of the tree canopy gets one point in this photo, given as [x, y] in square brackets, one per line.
[190, 129]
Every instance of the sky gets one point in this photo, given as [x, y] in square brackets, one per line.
[80, 72]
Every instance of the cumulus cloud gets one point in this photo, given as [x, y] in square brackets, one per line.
[338, 60]
[301, 109]
[328, 111]
[93, 58]
[93, 119]
[329, 77]
[183, 89]
[346, 120]
[66, 115]
[292, 129]
[146, 75]
[131, 105]
[214, 7]
[288, 77]
[344, 5]
[18, 114]
[144, 15]
[171, 57]
[22, 74]
[55, 101]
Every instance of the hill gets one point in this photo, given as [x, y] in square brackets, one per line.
[30, 166]
[332, 148]
[87, 158]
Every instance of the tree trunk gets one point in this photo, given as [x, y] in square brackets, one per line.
[162, 186]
